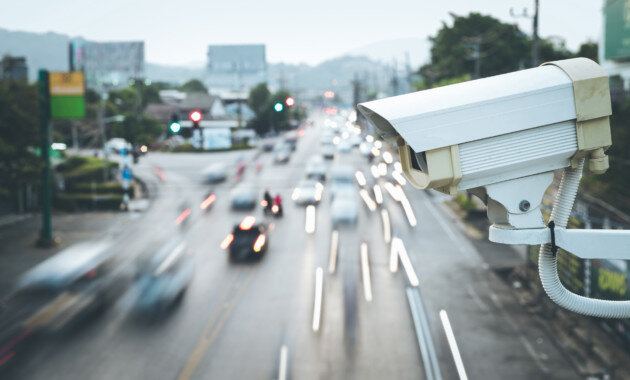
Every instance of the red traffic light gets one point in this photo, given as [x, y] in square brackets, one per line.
[290, 101]
[195, 116]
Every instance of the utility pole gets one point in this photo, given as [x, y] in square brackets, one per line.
[475, 44]
[45, 234]
[101, 126]
[535, 44]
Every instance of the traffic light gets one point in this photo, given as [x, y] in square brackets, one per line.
[290, 102]
[174, 127]
[195, 116]
[278, 107]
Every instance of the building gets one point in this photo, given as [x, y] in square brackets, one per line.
[614, 45]
[108, 64]
[235, 67]
[13, 69]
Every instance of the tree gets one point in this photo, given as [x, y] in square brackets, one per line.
[258, 101]
[19, 133]
[193, 85]
[503, 47]
[589, 50]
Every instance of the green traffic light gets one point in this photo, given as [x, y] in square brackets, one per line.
[175, 127]
[278, 107]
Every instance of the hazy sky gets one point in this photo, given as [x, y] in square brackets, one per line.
[178, 32]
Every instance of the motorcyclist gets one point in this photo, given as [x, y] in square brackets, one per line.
[278, 202]
[268, 201]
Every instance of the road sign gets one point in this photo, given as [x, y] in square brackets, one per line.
[67, 90]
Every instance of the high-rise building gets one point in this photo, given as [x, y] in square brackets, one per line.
[108, 64]
[235, 67]
[614, 45]
[13, 68]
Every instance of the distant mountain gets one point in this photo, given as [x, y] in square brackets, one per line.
[371, 64]
[389, 50]
[42, 51]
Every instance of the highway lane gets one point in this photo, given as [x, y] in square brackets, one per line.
[254, 320]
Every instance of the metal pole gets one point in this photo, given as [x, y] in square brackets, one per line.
[535, 36]
[101, 126]
[45, 235]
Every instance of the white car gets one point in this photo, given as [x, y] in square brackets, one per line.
[215, 173]
[316, 168]
[308, 192]
[344, 147]
[341, 177]
[328, 151]
[345, 207]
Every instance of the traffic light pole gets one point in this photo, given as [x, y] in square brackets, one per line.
[45, 235]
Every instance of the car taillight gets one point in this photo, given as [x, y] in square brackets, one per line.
[247, 223]
[259, 243]
[208, 201]
[275, 209]
[227, 241]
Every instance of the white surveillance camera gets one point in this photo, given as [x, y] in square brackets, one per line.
[494, 129]
[501, 138]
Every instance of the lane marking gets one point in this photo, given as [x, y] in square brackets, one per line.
[530, 350]
[284, 354]
[452, 343]
[365, 272]
[473, 294]
[317, 307]
[378, 194]
[406, 262]
[367, 199]
[387, 228]
[423, 335]
[393, 258]
[334, 249]
[309, 224]
[209, 334]
[458, 242]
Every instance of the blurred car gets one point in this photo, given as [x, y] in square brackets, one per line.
[344, 146]
[308, 192]
[345, 207]
[71, 286]
[316, 168]
[327, 137]
[282, 154]
[117, 144]
[328, 151]
[341, 178]
[162, 280]
[291, 139]
[243, 197]
[355, 140]
[215, 173]
[247, 240]
[266, 145]
[365, 148]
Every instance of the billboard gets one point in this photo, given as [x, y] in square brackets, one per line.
[108, 63]
[236, 67]
[66, 91]
[217, 138]
[617, 30]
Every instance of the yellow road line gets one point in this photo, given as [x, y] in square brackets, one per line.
[205, 341]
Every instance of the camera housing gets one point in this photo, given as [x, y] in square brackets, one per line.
[472, 134]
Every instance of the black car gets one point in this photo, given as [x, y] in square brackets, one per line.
[247, 241]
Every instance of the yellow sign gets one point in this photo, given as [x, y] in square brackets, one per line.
[66, 83]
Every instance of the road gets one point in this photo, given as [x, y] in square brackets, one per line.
[297, 314]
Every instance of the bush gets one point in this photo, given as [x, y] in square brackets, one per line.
[83, 169]
[75, 202]
[186, 147]
[98, 188]
[464, 202]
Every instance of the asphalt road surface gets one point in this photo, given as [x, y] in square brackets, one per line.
[297, 313]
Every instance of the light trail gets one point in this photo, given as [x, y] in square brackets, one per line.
[452, 343]
[365, 271]
[317, 307]
[309, 225]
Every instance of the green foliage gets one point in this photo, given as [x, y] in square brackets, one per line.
[589, 50]
[465, 203]
[184, 148]
[262, 102]
[82, 169]
[98, 188]
[193, 85]
[76, 202]
[137, 131]
[503, 48]
[19, 132]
